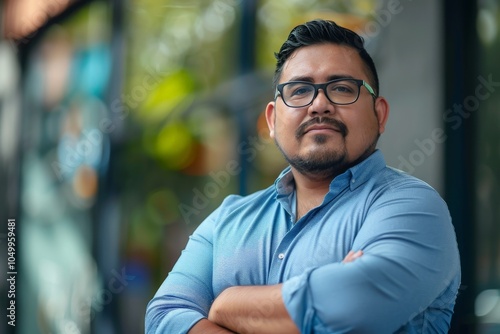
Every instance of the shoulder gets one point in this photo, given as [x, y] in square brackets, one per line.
[375, 179]
[235, 201]
[393, 177]
[240, 205]
[394, 180]
[394, 191]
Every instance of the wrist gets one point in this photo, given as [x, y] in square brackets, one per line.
[205, 326]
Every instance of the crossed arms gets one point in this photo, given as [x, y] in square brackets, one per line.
[251, 309]
[248, 309]
[410, 259]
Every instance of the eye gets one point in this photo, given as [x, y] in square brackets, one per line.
[342, 88]
[299, 90]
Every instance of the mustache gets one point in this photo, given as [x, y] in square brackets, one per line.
[341, 127]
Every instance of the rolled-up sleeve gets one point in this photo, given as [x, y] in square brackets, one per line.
[410, 261]
[185, 296]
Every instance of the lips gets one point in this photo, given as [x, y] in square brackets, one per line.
[321, 127]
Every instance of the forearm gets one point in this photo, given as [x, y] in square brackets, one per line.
[205, 326]
[256, 309]
[252, 309]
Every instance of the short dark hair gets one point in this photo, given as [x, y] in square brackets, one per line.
[319, 32]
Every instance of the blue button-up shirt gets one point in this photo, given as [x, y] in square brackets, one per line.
[406, 281]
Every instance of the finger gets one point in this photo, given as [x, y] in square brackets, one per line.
[348, 257]
[351, 256]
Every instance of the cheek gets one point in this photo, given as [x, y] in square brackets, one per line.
[362, 131]
[283, 133]
[285, 126]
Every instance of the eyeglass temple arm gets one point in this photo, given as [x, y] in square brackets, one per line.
[369, 88]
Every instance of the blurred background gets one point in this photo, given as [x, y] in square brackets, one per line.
[123, 124]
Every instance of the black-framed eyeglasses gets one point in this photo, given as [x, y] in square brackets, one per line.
[298, 94]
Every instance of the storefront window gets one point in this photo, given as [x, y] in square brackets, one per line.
[487, 216]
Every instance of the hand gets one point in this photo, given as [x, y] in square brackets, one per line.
[352, 255]
[256, 309]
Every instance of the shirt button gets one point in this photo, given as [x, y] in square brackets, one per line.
[281, 256]
[353, 180]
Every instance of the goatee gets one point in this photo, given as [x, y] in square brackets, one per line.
[324, 163]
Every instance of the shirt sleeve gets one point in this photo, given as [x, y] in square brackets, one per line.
[185, 296]
[410, 259]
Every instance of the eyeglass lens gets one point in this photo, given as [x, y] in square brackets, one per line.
[301, 94]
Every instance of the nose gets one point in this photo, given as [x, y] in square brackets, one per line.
[321, 104]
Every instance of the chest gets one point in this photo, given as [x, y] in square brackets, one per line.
[268, 248]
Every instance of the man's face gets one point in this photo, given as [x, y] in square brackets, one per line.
[323, 139]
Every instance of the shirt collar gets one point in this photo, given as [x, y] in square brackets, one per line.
[354, 176]
[363, 171]
[285, 183]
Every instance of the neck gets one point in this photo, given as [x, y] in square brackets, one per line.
[311, 188]
[310, 191]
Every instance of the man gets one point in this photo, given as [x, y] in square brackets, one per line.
[340, 243]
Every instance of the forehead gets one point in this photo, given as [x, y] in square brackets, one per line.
[321, 61]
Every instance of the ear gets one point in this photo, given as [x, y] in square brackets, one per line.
[270, 117]
[382, 112]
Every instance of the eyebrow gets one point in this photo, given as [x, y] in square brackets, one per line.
[329, 78]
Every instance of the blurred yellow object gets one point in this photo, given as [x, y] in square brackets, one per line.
[173, 93]
[175, 145]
